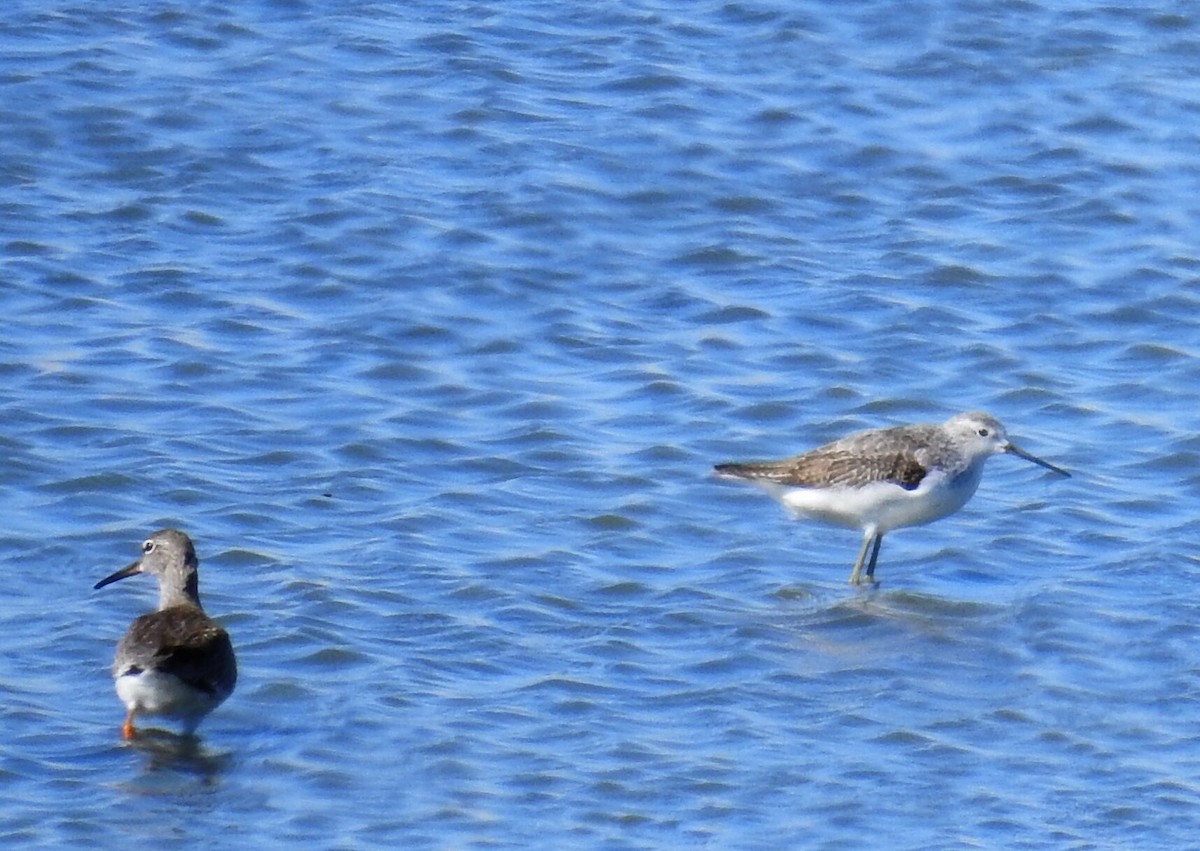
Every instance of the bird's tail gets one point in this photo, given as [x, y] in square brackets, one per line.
[749, 470]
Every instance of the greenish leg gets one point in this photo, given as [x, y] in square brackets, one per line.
[874, 557]
[871, 540]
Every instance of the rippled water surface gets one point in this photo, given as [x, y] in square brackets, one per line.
[427, 321]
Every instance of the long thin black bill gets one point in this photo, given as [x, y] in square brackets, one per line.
[130, 570]
[1021, 453]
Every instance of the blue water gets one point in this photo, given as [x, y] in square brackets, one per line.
[428, 320]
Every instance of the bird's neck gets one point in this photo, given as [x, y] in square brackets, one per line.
[970, 475]
[186, 593]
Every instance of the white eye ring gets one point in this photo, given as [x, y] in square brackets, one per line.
[147, 546]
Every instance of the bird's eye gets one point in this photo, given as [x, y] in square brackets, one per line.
[147, 546]
[983, 432]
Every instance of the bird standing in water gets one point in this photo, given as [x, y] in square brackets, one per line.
[887, 478]
[176, 661]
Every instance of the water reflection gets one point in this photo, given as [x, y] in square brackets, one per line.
[167, 751]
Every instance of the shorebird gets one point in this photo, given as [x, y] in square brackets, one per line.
[886, 478]
[175, 661]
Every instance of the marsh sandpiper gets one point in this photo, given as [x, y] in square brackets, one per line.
[887, 478]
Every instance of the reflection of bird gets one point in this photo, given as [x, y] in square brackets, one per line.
[175, 661]
[886, 478]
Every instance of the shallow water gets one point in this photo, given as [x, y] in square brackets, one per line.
[427, 322]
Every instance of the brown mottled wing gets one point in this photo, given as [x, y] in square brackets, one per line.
[889, 455]
[182, 641]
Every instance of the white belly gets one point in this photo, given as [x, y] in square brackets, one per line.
[155, 693]
[882, 506]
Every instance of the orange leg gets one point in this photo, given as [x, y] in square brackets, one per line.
[127, 731]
